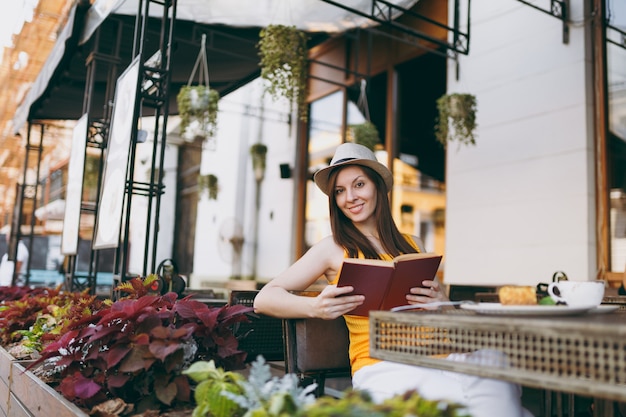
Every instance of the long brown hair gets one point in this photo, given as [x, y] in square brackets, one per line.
[348, 236]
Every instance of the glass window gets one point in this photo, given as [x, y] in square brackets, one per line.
[325, 134]
[616, 62]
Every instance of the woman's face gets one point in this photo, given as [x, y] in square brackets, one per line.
[355, 194]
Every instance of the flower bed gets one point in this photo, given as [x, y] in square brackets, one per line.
[125, 354]
[24, 394]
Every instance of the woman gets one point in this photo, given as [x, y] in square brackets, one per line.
[362, 226]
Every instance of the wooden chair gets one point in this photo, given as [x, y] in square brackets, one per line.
[317, 349]
[312, 349]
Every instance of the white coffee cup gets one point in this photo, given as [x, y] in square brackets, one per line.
[578, 293]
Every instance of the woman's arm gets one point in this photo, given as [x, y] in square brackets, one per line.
[323, 259]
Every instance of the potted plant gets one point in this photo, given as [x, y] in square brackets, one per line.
[209, 183]
[365, 134]
[457, 119]
[197, 107]
[258, 152]
[283, 54]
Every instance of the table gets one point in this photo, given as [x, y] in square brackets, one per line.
[583, 354]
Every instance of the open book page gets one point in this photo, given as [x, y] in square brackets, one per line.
[392, 262]
[421, 255]
[376, 262]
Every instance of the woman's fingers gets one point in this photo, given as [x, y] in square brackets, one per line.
[429, 292]
[333, 301]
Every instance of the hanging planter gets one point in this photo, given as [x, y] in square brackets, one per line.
[198, 104]
[258, 152]
[197, 107]
[364, 134]
[283, 54]
[457, 119]
[209, 183]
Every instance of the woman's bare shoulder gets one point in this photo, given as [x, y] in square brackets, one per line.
[328, 247]
[328, 252]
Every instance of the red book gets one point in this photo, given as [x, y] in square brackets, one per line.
[385, 284]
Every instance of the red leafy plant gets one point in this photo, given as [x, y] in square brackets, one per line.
[136, 349]
[11, 293]
[40, 315]
[20, 308]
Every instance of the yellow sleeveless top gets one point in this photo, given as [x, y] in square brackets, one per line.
[358, 328]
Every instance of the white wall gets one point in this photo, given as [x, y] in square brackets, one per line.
[520, 204]
[247, 117]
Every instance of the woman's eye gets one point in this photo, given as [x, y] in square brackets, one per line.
[338, 191]
[359, 184]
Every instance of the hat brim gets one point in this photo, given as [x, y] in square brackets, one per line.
[322, 177]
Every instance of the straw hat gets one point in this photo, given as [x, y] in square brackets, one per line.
[352, 154]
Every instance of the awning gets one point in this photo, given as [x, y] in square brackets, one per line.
[307, 15]
[238, 20]
[96, 14]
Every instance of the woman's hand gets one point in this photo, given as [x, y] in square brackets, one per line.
[430, 292]
[332, 302]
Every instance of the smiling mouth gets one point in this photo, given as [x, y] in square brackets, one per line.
[355, 209]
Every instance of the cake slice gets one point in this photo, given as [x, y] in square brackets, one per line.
[517, 295]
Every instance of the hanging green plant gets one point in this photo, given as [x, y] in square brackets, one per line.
[258, 152]
[457, 119]
[283, 54]
[209, 183]
[197, 107]
[92, 171]
[365, 134]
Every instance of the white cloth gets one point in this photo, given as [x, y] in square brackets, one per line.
[6, 266]
[482, 397]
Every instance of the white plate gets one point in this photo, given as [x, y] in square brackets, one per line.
[603, 308]
[529, 310]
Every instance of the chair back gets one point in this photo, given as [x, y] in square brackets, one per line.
[263, 335]
[316, 345]
[317, 349]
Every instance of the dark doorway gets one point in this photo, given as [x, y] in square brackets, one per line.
[420, 82]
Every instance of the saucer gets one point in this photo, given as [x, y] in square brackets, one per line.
[603, 308]
[524, 310]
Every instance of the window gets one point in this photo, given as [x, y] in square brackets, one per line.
[616, 140]
[325, 134]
